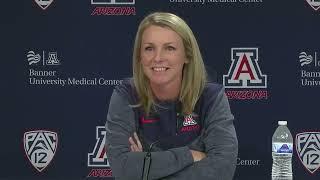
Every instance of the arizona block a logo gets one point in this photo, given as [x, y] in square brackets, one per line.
[308, 150]
[189, 121]
[244, 71]
[112, 1]
[40, 147]
[98, 157]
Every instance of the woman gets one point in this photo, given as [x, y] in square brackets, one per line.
[170, 109]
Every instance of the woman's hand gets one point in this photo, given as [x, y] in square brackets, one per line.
[197, 155]
[135, 144]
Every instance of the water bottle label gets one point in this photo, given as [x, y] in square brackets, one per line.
[282, 147]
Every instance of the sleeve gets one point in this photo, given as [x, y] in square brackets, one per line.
[127, 165]
[221, 146]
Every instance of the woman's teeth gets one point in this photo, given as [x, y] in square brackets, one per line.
[159, 69]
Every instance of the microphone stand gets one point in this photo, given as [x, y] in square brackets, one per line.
[147, 158]
[147, 162]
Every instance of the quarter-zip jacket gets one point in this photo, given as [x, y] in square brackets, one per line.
[208, 129]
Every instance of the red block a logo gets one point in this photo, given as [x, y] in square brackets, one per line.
[244, 71]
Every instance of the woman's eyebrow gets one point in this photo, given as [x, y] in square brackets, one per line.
[169, 43]
[164, 43]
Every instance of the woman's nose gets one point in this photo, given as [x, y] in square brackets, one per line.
[158, 56]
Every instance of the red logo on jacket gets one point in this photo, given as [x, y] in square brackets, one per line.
[189, 123]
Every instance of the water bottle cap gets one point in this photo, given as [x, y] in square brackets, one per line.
[282, 123]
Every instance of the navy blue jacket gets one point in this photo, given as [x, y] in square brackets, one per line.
[208, 129]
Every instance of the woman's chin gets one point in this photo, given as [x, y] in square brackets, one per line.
[159, 82]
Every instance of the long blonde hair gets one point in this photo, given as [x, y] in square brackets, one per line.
[194, 76]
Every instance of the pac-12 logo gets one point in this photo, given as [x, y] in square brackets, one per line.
[98, 157]
[308, 150]
[40, 147]
[244, 71]
[44, 4]
[315, 4]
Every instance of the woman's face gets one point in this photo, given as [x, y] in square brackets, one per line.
[162, 55]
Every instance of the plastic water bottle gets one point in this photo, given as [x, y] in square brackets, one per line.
[282, 147]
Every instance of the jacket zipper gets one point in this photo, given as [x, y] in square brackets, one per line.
[177, 122]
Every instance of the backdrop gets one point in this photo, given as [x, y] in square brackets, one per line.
[62, 59]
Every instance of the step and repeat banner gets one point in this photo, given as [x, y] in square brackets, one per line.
[64, 59]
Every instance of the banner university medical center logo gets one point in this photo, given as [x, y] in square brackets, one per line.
[49, 58]
[305, 59]
[315, 4]
[310, 69]
[44, 4]
[308, 150]
[40, 147]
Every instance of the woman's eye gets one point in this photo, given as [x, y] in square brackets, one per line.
[171, 48]
[148, 48]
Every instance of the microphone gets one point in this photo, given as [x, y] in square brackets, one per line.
[147, 158]
[147, 161]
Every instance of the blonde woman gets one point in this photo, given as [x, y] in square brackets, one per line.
[169, 111]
